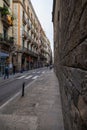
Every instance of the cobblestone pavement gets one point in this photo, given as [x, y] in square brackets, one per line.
[39, 109]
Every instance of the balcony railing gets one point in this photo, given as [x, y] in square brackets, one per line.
[6, 39]
[24, 19]
[24, 4]
[42, 56]
[28, 25]
[7, 2]
[27, 51]
[6, 17]
[25, 34]
[32, 30]
[35, 44]
[29, 38]
[7, 20]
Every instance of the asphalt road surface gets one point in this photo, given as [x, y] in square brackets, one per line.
[8, 88]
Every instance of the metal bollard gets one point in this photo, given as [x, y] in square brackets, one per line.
[23, 86]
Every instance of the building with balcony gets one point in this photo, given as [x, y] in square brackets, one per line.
[30, 49]
[6, 34]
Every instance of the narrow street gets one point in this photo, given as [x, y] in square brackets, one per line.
[43, 65]
[39, 109]
[8, 88]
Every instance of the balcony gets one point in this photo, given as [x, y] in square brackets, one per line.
[7, 2]
[25, 34]
[7, 21]
[24, 5]
[6, 17]
[8, 40]
[44, 51]
[11, 40]
[29, 38]
[42, 56]
[27, 51]
[28, 25]
[35, 33]
[35, 44]
[24, 20]
[34, 54]
[32, 30]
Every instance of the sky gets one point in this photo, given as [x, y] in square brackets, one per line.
[43, 9]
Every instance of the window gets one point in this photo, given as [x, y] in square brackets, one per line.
[23, 43]
[5, 33]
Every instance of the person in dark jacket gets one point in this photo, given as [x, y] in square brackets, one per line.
[6, 72]
[13, 69]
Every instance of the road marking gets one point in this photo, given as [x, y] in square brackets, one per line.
[11, 99]
[43, 72]
[35, 77]
[21, 77]
[38, 72]
[16, 95]
[28, 77]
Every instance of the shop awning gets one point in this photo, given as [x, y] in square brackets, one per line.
[2, 54]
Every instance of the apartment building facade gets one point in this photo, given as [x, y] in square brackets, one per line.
[28, 46]
[6, 34]
[28, 35]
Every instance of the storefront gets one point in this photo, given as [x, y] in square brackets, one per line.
[3, 61]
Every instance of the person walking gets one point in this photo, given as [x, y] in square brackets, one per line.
[6, 72]
[13, 69]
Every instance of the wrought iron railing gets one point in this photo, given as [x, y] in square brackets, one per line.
[6, 38]
[7, 2]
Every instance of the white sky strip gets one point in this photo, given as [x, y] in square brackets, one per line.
[35, 77]
[43, 9]
[28, 77]
[21, 77]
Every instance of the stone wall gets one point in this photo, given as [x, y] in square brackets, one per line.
[70, 61]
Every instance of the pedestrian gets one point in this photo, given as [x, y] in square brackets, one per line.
[6, 72]
[51, 66]
[14, 69]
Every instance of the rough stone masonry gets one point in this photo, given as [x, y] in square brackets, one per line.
[70, 60]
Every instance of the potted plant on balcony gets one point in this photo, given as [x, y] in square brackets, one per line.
[4, 11]
[7, 16]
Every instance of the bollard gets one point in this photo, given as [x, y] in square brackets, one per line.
[23, 86]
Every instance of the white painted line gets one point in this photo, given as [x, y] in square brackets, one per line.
[35, 77]
[28, 77]
[21, 77]
[19, 93]
[38, 72]
[10, 100]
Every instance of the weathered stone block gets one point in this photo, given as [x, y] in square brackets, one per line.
[71, 61]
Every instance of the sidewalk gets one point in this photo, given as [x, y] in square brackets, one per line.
[39, 109]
